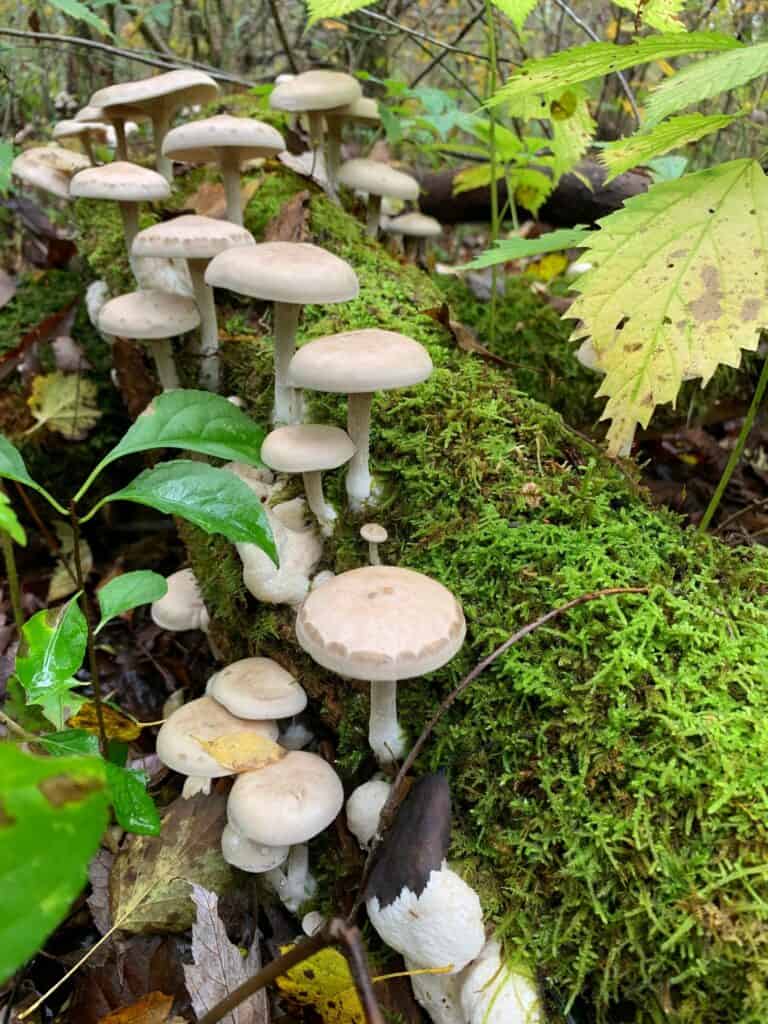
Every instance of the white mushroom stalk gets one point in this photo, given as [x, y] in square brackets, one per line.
[295, 884]
[385, 734]
[208, 348]
[359, 483]
[374, 534]
[288, 402]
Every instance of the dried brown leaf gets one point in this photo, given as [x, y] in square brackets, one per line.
[98, 901]
[154, 1008]
[210, 199]
[290, 224]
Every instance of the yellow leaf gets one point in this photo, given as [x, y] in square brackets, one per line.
[666, 67]
[549, 266]
[117, 725]
[243, 751]
[324, 983]
[65, 403]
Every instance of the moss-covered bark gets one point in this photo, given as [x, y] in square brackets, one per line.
[608, 773]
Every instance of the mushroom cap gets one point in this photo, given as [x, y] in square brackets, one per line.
[306, 447]
[316, 90]
[286, 802]
[374, 533]
[73, 128]
[49, 168]
[295, 272]
[148, 314]
[378, 179]
[358, 361]
[381, 623]
[365, 110]
[243, 853]
[257, 688]
[415, 225]
[204, 719]
[185, 86]
[121, 181]
[190, 237]
[201, 142]
[364, 807]
[182, 606]
[492, 992]
[93, 113]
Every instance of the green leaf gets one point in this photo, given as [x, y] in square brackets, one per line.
[659, 14]
[582, 63]
[9, 522]
[521, 248]
[319, 9]
[195, 421]
[668, 168]
[66, 742]
[678, 285]
[705, 79]
[52, 650]
[214, 499]
[80, 12]
[573, 128]
[129, 591]
[516, 10]
[635, 150]
[12, 468]
[134, 808]
[6, 159]
[52, 815]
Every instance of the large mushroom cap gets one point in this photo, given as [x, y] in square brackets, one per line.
[287, 802]
[148, 314]
[378, 179]
[315, 90]
[381, 623]
[306, 448]
[257, 688]
[365, 110]
[49, 168]
[74, 129]
[353, 362]
[120, 181]
[199, 142]
[295, 272]
[182, 606]
[182, 737]
[414, 225]
[190, 237]
[185, 86]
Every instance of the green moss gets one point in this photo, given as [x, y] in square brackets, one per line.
[39, 295]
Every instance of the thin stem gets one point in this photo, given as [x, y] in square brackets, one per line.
[333, 154]
[373, 216]
[385, 737]
[316, 120]
[208, 348]
[359, 429]
[85, 138]
[161, 122]
[15, 728]
[735, 457]
[490, 90]
[121, 142]
[322, 511]
[162, 352]
[287, 399]
[14, 589]
[230, 173]
[130, 214]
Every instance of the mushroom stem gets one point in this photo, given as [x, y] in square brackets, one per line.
[323, 512]
[373, 552]
[293, 883]
[130, 214]
[121, 143]
[373, 216]
[411, 249]
[161, 122]
[359, 429]
[162, 351]
[315, 118]
[195, 784]
[230, 173]
[85, 138]
[287, 407]
[208, 348]
[384, 733]
[333, 154]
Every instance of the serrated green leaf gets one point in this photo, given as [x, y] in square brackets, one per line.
[52, 649]
[476, 176]
[678, 285]
[583, 63]
[516, 10]
[636, 150]
[52, 815]
[663, 15]
[521, 248]
[80, 12]
[129, 591]
[319, 9]
[573, 129]
[705, 79]
[530, 187]
[214, 499]
[9, 522]
[134, 808]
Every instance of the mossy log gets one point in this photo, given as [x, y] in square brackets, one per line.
[608, 773]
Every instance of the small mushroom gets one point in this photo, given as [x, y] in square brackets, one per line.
[374, 534]
[381, 624]
[229, 142]
[182, 606]
[86, 132]
[363, 809]
[48, 168]
[243, 853]
[126, 184]
[493, 992]
[377, 179]
[358, 363]
[294, 883]
[152, 316]
[121, 122]
[313, 922]
[416, 229]
[309, 449]
[257, 688]
[197, 240]
[290, 274]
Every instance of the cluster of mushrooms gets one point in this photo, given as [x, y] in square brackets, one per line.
[377, 624]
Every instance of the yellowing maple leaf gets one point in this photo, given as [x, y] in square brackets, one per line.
[324, 982]
[64, 402]
[678, 285]
[243, 751]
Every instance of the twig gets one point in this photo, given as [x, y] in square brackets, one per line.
[16, 729]
[415, 34]
[9, 556]
[398, 786]
[287, 50]
[53, 544]
[753, 507]
[447, 49]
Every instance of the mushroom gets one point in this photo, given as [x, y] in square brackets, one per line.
[158, 97]
[249, 856]
[182, 606]
[309, 449]
[358, 363]
[257, 688]
[197, 240]
[493, 992]
[364, 807]
[318, 93]
[416, 229]
[381, 624]
[126, 184]
[153, 316]
[183, 738]
[438, 994]
[313, 922]
[374, 534]
[290, 274]
[377, 179]
[49, 168]
[294, 884]
[229, 142]
[85, 131]
[121, 122]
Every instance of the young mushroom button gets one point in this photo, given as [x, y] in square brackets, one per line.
[126, 184]
[416, 229]
[257, 688]
[375, 535]
[381, 624]
[377, 179]
[289, 274]
[358, 363]
[182, 607]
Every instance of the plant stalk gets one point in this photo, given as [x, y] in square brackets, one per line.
[85, 606]
[490, 90]
[14, 588]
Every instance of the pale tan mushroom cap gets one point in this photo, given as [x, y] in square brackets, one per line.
[243, 853]
[257, 688]
[381, 623]
[190, 237]
[306, 448]
[122, 182]
[184, 86]
[200, 142]
[72, 129]
[182, 606]
[204, 719]
[149, 314]
[315, 90]
[295, 272]
[48, 168]
[365, 110]
[378, 179]
[287, 802]
[92, 113]
[374, 533]
[358, 361]
[415, 225]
